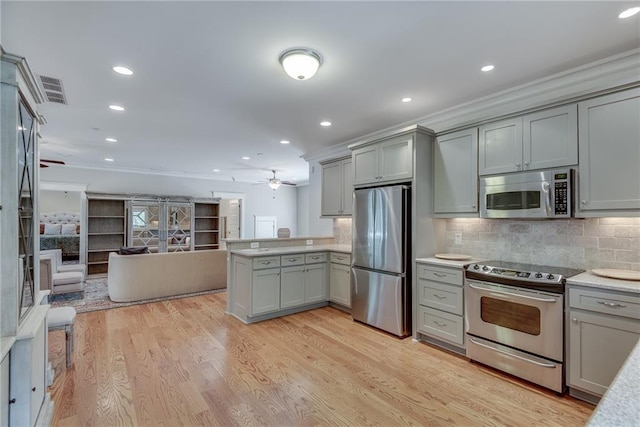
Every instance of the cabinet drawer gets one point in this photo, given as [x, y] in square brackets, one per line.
[441, 296]
[608, 302]
[340, 258]
[266, 262]
[295, 259]
[440, 274]
[445, 326]
[315, 258]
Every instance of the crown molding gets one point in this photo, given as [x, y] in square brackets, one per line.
[592, 79]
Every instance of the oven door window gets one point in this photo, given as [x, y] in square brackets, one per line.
[514, 200]
[510, 315]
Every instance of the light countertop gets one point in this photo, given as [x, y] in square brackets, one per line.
[285, 250]
[447, 262]
[591, 280]
[620, 406]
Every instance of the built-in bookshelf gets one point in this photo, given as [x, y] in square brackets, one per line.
[206, 230]
[106, 232]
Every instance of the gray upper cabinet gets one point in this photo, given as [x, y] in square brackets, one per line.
[540, 140]
[337, 188]
[456, 173]
[385, 161]
[609, 172]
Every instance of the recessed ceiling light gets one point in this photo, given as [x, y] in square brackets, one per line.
[284, 141]
[116, 107]
[629, 12]
[407, 99]
[216, 170]
[487, 68]
[111, 140]
[122, 70]
[108, 159]
[325, 123]
[246, 158]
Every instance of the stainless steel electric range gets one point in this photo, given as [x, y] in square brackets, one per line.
[514, 316]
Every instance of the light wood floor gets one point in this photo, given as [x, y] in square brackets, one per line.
[184, 362]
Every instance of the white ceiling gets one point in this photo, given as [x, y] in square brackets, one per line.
[208, 88]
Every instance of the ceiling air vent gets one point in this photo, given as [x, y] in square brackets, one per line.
[53, 90]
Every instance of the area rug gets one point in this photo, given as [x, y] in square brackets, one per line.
[96, 297]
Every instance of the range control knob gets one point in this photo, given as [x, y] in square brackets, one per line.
[485, 268]
[550, 276]
[538, 275]
[476, 267]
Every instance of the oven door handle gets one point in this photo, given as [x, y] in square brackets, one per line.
[480, 288]
[544, 365]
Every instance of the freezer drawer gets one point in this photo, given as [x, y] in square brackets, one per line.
[380, 300]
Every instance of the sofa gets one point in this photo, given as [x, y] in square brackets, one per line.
[158, 275]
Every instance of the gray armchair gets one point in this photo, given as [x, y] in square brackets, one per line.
[59, 283]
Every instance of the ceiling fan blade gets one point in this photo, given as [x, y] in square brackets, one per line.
[57, 162]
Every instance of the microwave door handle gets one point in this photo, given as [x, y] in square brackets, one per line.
[547, 192]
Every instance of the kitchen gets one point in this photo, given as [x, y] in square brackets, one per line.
[595, 229]
[607, 240]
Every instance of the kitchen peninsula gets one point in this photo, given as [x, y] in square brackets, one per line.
[285, 276]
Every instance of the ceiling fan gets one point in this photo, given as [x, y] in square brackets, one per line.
[43, 162]
[274, 182]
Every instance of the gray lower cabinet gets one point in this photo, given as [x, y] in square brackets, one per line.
[27, 371]
[603, 327]
[267, 286]
[440, 304]
[4, 391]
[340, 279]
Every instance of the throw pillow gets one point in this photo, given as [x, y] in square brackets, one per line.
[42, 228]
[52, 229]
[134, 250]
[68, 229]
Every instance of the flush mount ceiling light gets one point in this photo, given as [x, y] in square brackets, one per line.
[300, 63]
[487, 68]
[407, 99]
[284, 141]
[325, 123]
[116, 107]
[111, 140]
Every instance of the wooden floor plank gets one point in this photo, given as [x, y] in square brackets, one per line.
[184, 362]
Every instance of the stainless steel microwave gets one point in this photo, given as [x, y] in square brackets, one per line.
[536, 194]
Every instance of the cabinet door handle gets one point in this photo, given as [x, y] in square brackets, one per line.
[526, 163]
[574, 320]
[440, 323]
[612, 304]
[266, 262]
[12, 401]
[292, 259]
[518, 165]
[439, 296]
[315, 257]
[33, 389]
[584, 202]
[439, 274]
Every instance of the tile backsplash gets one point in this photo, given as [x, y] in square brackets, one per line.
[342, 230]
[575, 243]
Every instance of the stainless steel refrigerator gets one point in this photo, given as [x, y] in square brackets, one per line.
[380, 279]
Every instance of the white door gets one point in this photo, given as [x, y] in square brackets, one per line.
[264, 227]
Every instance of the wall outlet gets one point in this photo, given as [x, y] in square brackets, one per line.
[309, 242]
[255, 245]
[458, 238]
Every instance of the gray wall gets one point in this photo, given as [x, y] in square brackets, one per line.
[259, 199]
[303, 210]
[58, 201]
